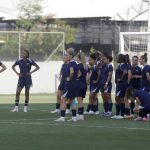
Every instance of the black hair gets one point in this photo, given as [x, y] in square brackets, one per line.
[108, 56]
[130, 92]
[127, 59]
[93, 56]
[144, 57]
[27, 51]
[121, 58]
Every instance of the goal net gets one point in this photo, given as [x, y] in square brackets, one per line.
[135, 43]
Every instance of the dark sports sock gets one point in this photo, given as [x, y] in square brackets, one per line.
[132, 105]
[74, 113]
[94, 108]
[81, 110]
[110, 107]
[127, 111]
[62, 113]
[16, 102]
[122, 108]
[68, 106]
[26, 102]
[105, 105]
[57, 106]
[88, 108]
[97, 104]
[118, 109]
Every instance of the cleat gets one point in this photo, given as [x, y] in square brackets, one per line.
[104, 113]
[25, 109]
[86, 113]
[97, 113]
[61, 119]
[55, 111]
[80, 117]
[145, 119]
[108, 114]
[15, 109]
[74, 119]
[67, 111]
[117, 117]
[128, 116]
[138, 119]
[91, 112]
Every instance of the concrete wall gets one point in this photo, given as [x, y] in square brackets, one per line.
[43, 79]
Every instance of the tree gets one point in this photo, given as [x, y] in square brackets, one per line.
[29, 14]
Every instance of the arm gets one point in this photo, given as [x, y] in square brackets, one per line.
[148, 77]
[71, 74]
[3, 68]
[36, 68]
[14, 69]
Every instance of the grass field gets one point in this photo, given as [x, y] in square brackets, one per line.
[36, 130]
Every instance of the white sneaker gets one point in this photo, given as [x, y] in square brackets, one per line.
[67, 111]
[25, 109]
[74, 119]
[55, 111]
[109, 114]
[91, 112]
[114, 117]
[119, 117]
[97, 113]
[61, 119]
[15, 109]
[80, 117]
[86, 113]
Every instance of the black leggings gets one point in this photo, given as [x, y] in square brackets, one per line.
[143, 112]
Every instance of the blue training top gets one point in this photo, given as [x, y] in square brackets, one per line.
[24, 65]
[64, 72]
[144, 98]
[106, 68]
[145, 70]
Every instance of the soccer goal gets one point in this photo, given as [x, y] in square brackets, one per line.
[135, 43]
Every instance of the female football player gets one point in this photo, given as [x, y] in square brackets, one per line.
[25, 64]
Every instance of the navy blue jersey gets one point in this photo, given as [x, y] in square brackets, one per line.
[24, 65]
[145, 70]
[94, 74]
[119, 72]
[83, 72]
[64, 72]
[144, 98]
[136, 82]
[106, 68]
[72, 64]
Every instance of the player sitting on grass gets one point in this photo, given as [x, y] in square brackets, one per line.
[143, 101]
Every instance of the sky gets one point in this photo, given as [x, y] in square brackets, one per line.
[74, 8]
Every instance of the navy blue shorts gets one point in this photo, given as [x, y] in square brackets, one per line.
[25, 82]
[61, 85]
[70, 90]
[94, 88]
[107, 90]
[81, 89]
[121, 88]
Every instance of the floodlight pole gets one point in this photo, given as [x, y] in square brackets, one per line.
[19, 52]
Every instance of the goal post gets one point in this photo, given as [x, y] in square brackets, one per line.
[135, 43]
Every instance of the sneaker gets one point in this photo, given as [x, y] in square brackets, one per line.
[138, 119]
[61, 119]
[97, 113]
[67, 111]
[119, 117]
[108, 114]
[74, 119]
[80, 117]
[86, 113]
[114, 117]
[91, 112]
[25, 109]
[103, 113]
[145, 119]
[128, 116]
[15, 109]
[55, 111]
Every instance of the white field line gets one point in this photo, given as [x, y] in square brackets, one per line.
[72, 125]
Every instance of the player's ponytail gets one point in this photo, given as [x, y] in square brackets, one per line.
[144, 57]
[82, 58]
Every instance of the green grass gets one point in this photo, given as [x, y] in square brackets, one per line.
[36, 130]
